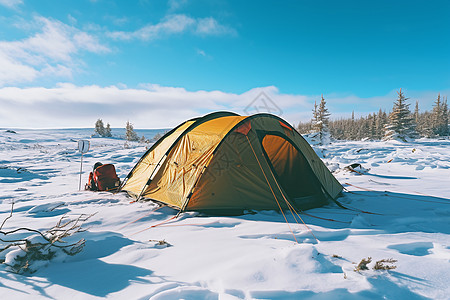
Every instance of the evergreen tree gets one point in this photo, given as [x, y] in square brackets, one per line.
[144, 140]
[439, 119]
[315, 118]
[321, 121]
[157, 137]
[372, 126]
[380, 123]
[418, 120]
[99, 127]
[130, 134]
[304, 128]
[425, 124]
[352, 130]
[445, 129]
[108, 130]
[375, 124]
[381, 126]
[416, 112]
[400, 124]
[436, 122]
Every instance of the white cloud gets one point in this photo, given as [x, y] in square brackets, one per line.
[170, 25]
[118, 21]
[72, 20]
[156, 106]
[149, 106]
[14, 71]
[174, 24]
[176, 4]
[49, 52]
[209, 26]
[11, 3]
[201, 52]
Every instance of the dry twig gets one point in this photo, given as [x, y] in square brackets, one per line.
[45, 247]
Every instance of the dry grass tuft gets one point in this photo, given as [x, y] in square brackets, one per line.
[385, 264]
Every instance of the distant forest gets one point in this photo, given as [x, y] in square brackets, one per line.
[400, 124]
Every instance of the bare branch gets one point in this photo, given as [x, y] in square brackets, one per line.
[8, 217]
[46, 248]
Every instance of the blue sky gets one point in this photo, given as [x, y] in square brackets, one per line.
[66, 63]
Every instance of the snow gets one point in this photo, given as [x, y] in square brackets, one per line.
[401, 187]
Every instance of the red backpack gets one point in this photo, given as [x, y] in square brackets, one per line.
[105, 178]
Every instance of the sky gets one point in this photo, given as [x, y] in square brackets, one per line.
[157, 63]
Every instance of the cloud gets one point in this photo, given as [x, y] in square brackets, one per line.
[117, 21]
[175, 24]
[156, 106]
[16, 70]
[11, 3]
[209, 26]
[72, 20]
[176, 4]
[49, 52]
[170, 25]
[148, 106]
[201, 52]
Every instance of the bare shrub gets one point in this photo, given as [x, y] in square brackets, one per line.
[27, 254]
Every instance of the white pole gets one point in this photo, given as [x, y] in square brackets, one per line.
[81, 171]
[83, 146]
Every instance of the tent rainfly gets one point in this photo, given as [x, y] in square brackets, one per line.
[225, 162]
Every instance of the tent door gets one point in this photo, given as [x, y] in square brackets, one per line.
[292, 171]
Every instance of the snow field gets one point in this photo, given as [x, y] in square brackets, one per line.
[404, 187]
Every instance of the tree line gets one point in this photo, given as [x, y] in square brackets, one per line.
[400, 123]
[130, 134]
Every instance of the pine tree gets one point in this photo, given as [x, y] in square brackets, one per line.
[400, 124]
[130, 134]
[321, 121]
[436, 122]
[439, 119]
[425, 124]
[352, 130]
[416, 112]
[108, 130]
[375, 125]
[143, 140]
[445, 129]
[99, 127]
[372, 126]
[380, 123]
[304, 128]
[418, 120]
[315, 118]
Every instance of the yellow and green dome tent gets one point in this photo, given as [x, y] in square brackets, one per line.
[227, 162]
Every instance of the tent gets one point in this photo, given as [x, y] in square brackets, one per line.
[227, 162]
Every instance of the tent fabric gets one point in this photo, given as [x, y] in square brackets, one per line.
[224, 161]
[144, 170]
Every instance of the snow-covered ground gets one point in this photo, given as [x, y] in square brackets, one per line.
[404, 189]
